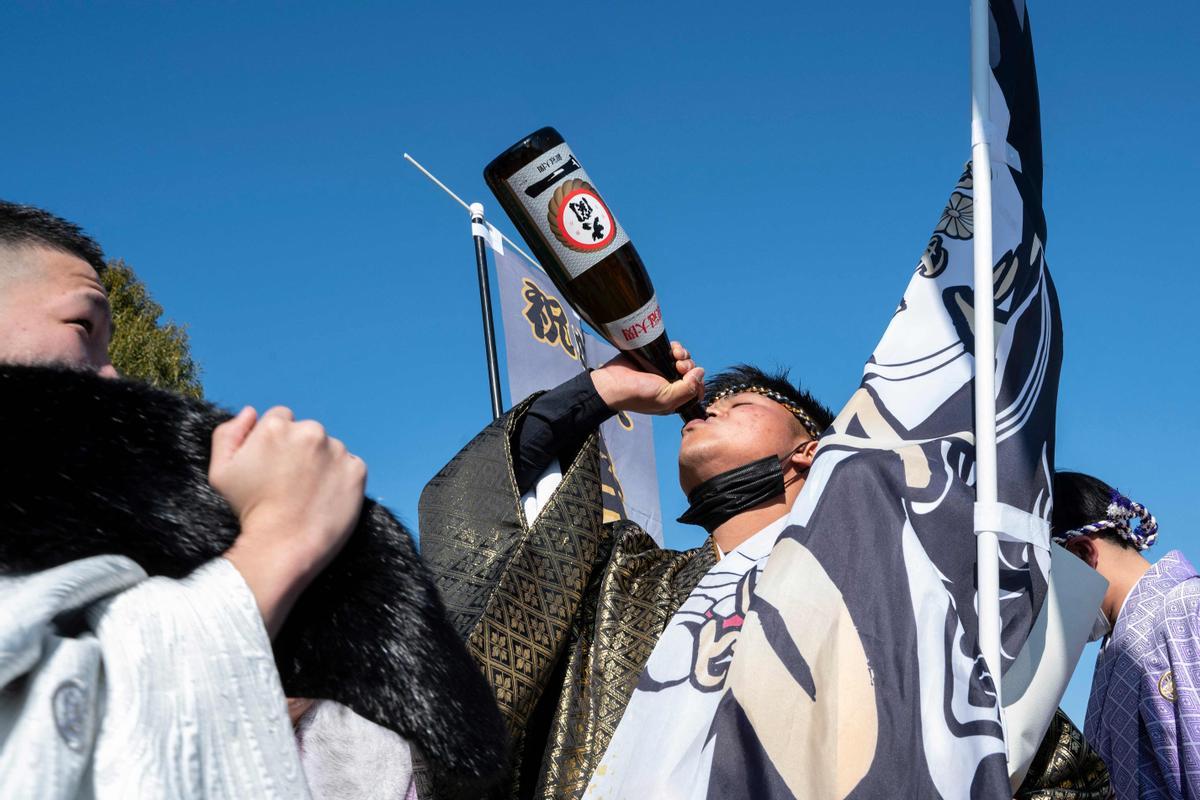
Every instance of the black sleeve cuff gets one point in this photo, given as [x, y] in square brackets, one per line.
[556, 424]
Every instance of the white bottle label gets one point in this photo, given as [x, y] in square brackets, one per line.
[638, 329]
[567, 210]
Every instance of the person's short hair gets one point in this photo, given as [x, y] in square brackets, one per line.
[28, 226]
[1083, 504]
[813, 415]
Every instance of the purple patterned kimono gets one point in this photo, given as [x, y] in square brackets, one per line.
[1144, 713]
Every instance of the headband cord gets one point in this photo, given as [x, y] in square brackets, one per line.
[796, 411]
[1120, 514]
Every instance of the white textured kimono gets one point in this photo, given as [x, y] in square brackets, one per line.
[116, 685]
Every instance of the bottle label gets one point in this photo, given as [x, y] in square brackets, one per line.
[567, 210]
[638, 329]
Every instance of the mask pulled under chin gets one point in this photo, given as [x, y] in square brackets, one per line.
[724, 496]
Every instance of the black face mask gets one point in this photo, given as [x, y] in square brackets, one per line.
[724, 496]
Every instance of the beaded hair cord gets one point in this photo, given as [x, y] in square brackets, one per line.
[799, 413]
[1121, 512]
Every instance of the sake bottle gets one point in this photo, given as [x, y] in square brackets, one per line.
[589, 256]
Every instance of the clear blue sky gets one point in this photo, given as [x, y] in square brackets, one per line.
[246, 160]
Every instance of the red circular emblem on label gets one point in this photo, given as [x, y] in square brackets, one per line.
[581, 220]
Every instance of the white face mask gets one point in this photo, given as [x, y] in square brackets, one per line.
[1100, 628]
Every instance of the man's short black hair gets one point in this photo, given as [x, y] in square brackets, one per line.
[777, 382]
[22, 225]
[1080, 500]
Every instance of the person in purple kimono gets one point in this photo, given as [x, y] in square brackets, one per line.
[1143, 716]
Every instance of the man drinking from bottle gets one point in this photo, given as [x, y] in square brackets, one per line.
[562, 610]
[579, 625]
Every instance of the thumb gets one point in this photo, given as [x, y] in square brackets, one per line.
[689, 387]
[229, 435]
[696, 377]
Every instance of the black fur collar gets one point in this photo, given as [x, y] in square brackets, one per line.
[90, 466]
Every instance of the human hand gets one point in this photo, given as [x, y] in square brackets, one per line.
[297, 493]
[623, 386]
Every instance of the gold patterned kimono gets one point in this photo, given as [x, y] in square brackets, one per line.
[1065, 768]
[562, 615]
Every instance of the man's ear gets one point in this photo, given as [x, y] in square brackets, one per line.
[803, 457]
[1085, 548]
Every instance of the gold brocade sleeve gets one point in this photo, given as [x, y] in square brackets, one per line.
[1065, 768]
[562, 615]
[510, 589]
[639, 590]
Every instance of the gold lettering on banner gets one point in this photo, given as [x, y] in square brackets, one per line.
[548, 320]
[610, 485]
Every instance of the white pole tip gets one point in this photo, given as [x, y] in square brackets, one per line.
[476, 209]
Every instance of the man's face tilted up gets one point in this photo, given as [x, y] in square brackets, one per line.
[53, 309]
[738, 429]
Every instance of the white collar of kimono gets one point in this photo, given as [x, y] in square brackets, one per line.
[770, 532]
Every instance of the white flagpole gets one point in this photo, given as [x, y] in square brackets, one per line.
[481, 233]
[986, 494]
[465, 205]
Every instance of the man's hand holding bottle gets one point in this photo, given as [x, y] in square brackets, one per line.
[624, 387]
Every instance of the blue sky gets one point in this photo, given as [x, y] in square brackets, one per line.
[246, 160]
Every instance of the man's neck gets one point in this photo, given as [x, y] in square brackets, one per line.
[1121, 579]
[735, 530]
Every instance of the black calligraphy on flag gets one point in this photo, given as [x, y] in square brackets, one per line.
[858, 672]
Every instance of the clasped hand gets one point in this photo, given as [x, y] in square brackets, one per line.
[297, 493]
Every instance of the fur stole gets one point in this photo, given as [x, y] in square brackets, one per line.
[91, 466]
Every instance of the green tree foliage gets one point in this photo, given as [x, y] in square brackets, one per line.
[143, 347]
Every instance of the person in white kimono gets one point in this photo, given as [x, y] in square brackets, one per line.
[116, 685]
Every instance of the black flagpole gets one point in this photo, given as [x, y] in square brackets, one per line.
[478, 232]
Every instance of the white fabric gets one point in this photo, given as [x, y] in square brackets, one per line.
[120, 686]
[1012, 524]
[672, 709]
[1036, 680]
[534, 500]
[488, 232]
[346, 757]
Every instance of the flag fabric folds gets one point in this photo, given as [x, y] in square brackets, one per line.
[857, 671]
[545, 345]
